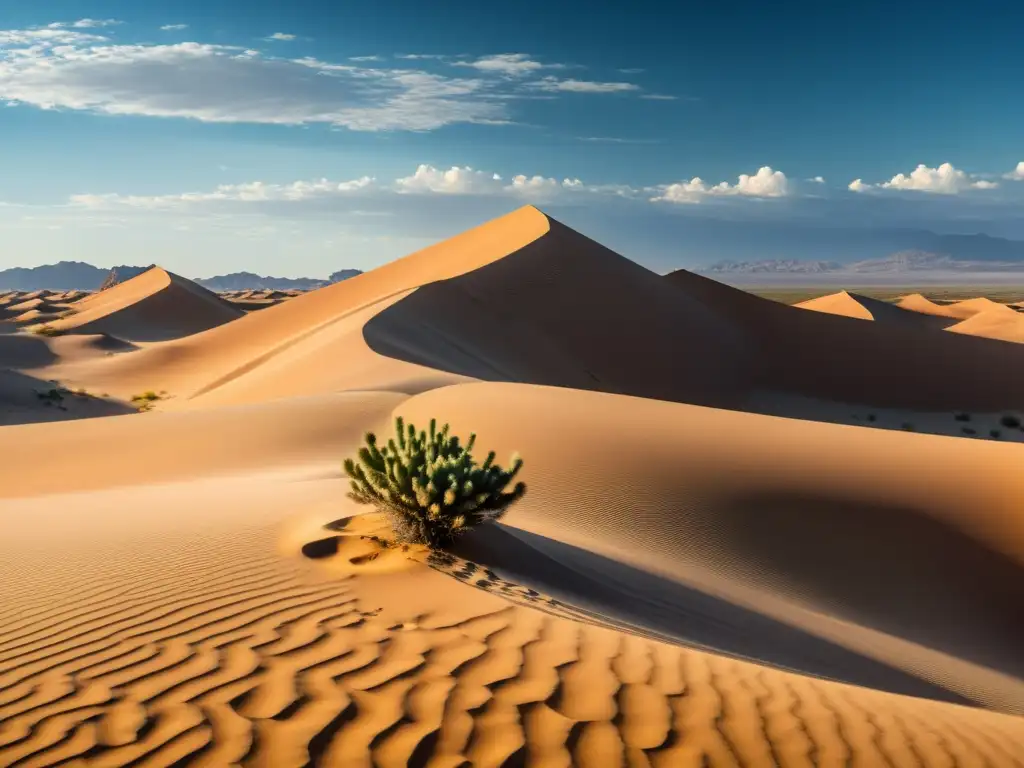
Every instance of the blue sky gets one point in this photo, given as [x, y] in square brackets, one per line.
[298, 138]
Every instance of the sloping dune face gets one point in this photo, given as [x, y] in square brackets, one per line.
[887, 365]
[154, 306]
[841, 552]
[521, 298]
[998, 322]
[566, 311]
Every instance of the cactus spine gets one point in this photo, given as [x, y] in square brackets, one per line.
[430, 485]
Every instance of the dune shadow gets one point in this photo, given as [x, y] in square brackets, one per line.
[895, 569]
[19, 350]
[28, 400]
[585, 585]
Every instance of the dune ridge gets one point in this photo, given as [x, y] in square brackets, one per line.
[154, 306]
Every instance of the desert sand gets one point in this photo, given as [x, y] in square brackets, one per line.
[721, 559]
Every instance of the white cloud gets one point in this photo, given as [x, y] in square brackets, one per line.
[366, 58]
[658, 97]
[1017, 174]
[281, 36]
[944, 180]
[582, 86]
[512, 64]
[764, 183]
[173, 27]
[818, 180]
[58, 68]
[255, 191]
[631, 71]
[40, 38]
[89, 23]
[455, 180]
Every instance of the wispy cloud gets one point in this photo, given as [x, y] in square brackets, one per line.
[616, 140]
[512, 64]
[943, 180]
[280, 36]
[62, 67]
[251, 192]
[90, 23]
[173, 27]
[553, 84]
[658, 97]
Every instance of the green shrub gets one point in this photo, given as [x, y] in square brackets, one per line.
[429, 485]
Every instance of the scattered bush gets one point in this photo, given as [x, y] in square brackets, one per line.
[1010, 421]
[908, 426]
[962, 417]
[969, 431]
[872, 417]
[144, 401]
[429, 485]
[46, 330]
[995, 434]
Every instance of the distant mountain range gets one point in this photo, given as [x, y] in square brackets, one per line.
[78, 275]
[63, 276]
[899, 262]
[246, 281]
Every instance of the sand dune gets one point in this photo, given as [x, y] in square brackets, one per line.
[154, 306]
[865, 308]
[682, 585]
[999, 322]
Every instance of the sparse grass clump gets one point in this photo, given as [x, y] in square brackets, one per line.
[429, 485]
[962, 416]
[45, 330]
[145, 400]
[1010, 421]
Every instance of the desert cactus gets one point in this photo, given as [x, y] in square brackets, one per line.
[430, 485]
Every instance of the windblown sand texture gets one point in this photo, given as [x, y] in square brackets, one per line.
[687, 582]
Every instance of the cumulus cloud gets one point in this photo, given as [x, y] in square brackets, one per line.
[944, 180]
[173, 27]
[457, 181]
[280, 36]
[582, 86]
[765, 183]
[425, 180]
[1017, 174]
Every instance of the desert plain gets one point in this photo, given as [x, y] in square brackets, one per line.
[754, 534]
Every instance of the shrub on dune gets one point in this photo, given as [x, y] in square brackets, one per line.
[429, 484]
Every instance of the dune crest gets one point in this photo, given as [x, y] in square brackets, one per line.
[156, 305]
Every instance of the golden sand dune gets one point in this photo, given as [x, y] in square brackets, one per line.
[865, 308]
[154, 306]
[681, 586]
[999, 322]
